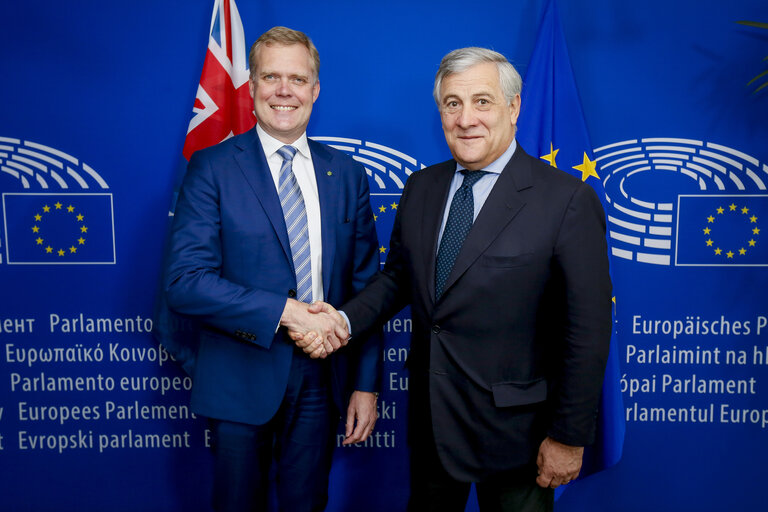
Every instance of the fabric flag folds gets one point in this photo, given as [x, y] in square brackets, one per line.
[223, 108]
[223, 105]
[552, 127]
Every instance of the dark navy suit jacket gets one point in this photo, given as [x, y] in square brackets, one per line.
[230, 268]
[515, 349]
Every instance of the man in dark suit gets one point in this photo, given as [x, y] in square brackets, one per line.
[504, 263]
[266, 222]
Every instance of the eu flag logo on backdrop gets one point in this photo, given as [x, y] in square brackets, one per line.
[59, 229]
[552, 127]
[722, 230]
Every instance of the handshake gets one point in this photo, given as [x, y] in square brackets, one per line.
[317, 328]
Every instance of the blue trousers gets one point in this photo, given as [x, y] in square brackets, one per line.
[294, 448]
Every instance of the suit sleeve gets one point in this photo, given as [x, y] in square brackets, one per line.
[389, 290]
[366, 264]
[194, 284]
[581, 256]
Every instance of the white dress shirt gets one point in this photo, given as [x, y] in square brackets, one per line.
[305, 177]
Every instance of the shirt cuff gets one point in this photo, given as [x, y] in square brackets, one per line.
[346, 319]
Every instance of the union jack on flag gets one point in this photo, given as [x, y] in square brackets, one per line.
[223, 106]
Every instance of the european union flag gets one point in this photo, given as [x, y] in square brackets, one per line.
[722, 230]
[58, 229]
[552, 127]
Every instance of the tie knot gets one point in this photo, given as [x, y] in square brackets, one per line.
[471, 177]
[287, 152]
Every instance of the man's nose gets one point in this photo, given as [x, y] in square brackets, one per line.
[466, 117]
[283, 88]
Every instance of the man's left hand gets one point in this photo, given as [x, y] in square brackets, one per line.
[361, 417]
[558, 463]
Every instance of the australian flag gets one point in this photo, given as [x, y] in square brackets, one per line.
[552, 127]
[223, 105]
[222, 108]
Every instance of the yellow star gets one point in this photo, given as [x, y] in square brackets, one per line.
[729, 254]
[709, 243]
[588, 168]
[551, 156]
[73, 249]
[49, 249]
[382, 208]
[35, 229]
[39, 241]
[83, 229]
[751, 243]
[753, 219]
[61, 252]
[394, 206]
[720, 210]
[81, 241]
[718, 251]
[706, 231]
[375, 217]
[382, 249]
[80, 217]
[70, 208]
[742, 251]
[756, 231]
[745, 210]
[732, 207]
[38, 217]
[46, 208]
[58, 205]
[710, 219]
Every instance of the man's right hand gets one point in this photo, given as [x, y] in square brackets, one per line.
[313, 344]
[318, 329]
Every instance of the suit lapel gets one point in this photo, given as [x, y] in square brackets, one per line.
[433, 208]
[328, 184]
[501, 206]
[253, 165]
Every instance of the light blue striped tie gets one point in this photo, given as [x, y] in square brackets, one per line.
[295, 215]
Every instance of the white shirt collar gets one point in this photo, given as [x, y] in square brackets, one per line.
[499, 164]
[271, 144]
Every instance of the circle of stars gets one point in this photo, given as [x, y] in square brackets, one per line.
[731, 208]
[38, 229]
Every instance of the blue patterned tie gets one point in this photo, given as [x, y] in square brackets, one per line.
[295, 215]
[460, 218]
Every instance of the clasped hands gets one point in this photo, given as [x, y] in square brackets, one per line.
[317, 328]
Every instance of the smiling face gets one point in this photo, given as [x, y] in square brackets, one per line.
[478, 123]
[284, 87]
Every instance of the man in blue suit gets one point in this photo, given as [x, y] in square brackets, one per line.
[266, 222]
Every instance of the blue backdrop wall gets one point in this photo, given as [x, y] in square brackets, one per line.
[96, 98]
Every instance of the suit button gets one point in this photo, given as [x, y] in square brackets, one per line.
[292, 293]
[435, 329]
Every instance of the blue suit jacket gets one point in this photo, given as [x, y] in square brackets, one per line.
[230, 268]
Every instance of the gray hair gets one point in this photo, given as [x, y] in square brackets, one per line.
[464, 58]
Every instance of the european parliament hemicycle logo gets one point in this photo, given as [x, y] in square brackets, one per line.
[58, 213]
[387, 170]
[685, 202]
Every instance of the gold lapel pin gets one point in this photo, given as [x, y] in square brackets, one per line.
[330, 173]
